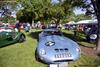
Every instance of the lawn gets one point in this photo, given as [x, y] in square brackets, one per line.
[22, 55]
[80, 38]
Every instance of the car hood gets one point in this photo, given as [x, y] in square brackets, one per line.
[60, 41]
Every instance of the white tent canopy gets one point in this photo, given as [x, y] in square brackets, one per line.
[88, 22]
[71, 22]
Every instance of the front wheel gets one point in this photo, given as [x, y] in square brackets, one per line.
[36, 56]
[93, 38]
[22, 38]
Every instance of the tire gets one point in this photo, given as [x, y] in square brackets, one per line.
[22, 38]
[36, 56]
[93, 38]
[92, 41]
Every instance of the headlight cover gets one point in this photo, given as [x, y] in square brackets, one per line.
[50, 43]
[42, 52]
[78, 50]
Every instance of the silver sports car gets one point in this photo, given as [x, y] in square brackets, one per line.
[53, 47]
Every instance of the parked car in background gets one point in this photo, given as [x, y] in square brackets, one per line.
[10, 35]
[53, 47]
[12, 25]
[91, 34]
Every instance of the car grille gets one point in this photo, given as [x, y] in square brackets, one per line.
[63, 55]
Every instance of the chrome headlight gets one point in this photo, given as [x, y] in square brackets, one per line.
[78, 50]
[50, 43]
[42, 52]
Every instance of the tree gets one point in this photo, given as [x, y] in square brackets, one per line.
[82, 17]
[7, 8]
[97, 10]
[8, 19]
[93, 8]
[25, 16]
[46, 10]
[40, 8]
[62, 10]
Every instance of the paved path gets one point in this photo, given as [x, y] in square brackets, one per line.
[88, 51]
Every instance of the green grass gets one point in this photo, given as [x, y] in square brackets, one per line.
[86, 61]
[80, 38]
[20, 54]
[23, 54]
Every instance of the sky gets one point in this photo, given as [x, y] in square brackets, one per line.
[76, 11]
[55, 1]
[79, 11]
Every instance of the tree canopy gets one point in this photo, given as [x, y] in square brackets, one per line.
[44, 10]
[7, 8]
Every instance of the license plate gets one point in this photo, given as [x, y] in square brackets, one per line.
[53, 65]
[64, 55]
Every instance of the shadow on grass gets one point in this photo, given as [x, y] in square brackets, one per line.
[72, 36]
[5, 45]
[8, 44]
[69, 36]
[80, 40]
[35, 35]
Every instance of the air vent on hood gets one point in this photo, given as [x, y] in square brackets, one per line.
[57, 50]
[66, 49]
[61, 50]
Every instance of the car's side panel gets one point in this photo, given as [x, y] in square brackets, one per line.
[7, 38]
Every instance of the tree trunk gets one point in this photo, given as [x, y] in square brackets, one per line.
[57, 22]
[98, 18]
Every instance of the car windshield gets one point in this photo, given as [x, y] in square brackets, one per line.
[47, 33]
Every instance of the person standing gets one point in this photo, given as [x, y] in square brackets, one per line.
[18, 26]
[27, 27]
